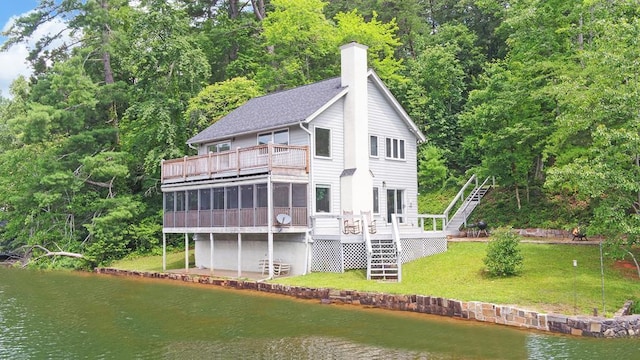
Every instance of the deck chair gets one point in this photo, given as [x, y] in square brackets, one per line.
[371, 222]
[350, 225]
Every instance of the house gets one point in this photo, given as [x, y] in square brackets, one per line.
[322, 177]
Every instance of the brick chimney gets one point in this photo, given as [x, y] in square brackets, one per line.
[356, 181]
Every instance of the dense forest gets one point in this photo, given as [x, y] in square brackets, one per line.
[542, 94]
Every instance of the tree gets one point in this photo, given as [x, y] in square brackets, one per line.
[217, 100]
[597, 142]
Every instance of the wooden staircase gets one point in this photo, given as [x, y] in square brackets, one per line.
[383, 260]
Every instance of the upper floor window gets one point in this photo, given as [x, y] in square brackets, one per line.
[323, 142]
[219, 147]
[323, 198]
[395, 148]
[280, 137]
[373, 146]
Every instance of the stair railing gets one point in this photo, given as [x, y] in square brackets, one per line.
[473, 194]
[395, 232]
[367, 243]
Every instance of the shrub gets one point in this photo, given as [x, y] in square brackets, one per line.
[503, 253]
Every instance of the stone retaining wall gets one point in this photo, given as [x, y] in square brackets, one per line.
[619, 326]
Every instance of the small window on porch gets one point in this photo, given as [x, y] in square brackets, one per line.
[169, 202]
[280, 137]
[323, 198]
[232, 197]
[299, 195]
[218, 198]
[280, 195]
[180, 201]
[246, 196]
[323, 142]
[192, 199]
[205, 199]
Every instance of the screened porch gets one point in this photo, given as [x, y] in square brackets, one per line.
[236, 206]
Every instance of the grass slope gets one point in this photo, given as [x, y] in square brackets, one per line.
[548, 283]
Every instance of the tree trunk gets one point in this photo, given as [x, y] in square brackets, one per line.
[518, 197]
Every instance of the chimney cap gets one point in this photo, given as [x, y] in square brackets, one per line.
[352, 44]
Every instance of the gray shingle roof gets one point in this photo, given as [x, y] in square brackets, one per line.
[270, 111]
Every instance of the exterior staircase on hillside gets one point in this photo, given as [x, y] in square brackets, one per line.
[384, 260]
[467, 206]
[461, 216]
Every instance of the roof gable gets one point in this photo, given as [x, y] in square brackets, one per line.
[274, 110]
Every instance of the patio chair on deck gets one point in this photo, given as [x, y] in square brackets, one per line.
[371, 222]
[350, 224]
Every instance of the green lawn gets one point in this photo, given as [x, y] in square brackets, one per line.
[548, 282]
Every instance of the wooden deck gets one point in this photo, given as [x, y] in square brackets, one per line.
[271, 158]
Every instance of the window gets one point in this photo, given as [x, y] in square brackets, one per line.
[323, 142]
[323, 198]
[299, 195]
[376, 201]
[395, 148]
[169, 202]
[280, 195]
[232, 197]
[180, 201]
[218, 198]
[205, 199]
[193, 199]
[280, 137]
[373, 146]
[395, 204]
[219, 147]
[261, 195]
[246, 196]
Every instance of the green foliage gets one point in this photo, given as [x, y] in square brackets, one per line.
[432, 170]
[217, 100]
[504, 257]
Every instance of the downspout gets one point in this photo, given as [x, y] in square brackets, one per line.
[307, 255]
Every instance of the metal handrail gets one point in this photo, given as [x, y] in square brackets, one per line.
[475, 192]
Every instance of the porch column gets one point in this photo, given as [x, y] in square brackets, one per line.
[164, 252]
[211, 252]
[239, 255]
[186, 252]
[269, 225]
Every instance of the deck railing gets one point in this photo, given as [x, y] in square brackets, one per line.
[286, 159]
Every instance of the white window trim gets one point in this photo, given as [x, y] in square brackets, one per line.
[315, 200]
[207, 146]
[315, 143]
[272, 133]
[397, 149]
[377, 146]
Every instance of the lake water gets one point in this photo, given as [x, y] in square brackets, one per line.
[60, 315]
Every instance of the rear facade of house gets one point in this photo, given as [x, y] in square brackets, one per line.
[277, 180]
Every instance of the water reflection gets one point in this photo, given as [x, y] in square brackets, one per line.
[55, 315]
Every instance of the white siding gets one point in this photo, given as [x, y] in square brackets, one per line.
[288, 248]
[327, 171]
[297, 136]
[384, 122]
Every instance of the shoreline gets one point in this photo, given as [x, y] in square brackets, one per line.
[620, 326]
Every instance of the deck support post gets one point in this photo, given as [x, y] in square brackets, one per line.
[186, 252]
[164, 252]
[270, 225]
[239, 255]
[211, 252]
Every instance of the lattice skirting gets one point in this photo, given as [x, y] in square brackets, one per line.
[333, 256]
[415, 248]
[326, 256]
